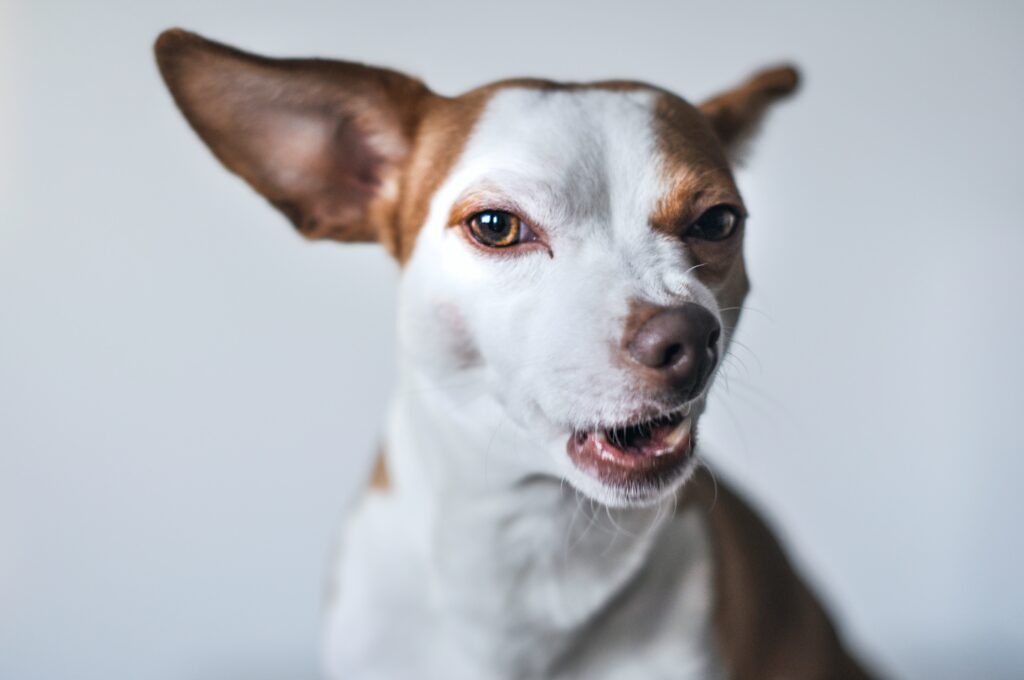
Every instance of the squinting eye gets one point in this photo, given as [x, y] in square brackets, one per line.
[716, 224]
[498, 229]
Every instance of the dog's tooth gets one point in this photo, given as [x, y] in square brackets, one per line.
[677, 435]
[602, 447]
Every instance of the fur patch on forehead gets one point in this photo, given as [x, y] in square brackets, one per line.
[691, 158]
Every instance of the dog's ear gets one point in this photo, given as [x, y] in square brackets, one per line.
[736, 114]
[324, 141]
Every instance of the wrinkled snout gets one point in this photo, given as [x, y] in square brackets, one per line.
[674, 348]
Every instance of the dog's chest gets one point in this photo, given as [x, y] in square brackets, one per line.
[485, 594]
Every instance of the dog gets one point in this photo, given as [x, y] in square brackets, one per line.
[572, 271]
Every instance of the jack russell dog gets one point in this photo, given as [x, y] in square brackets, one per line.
[571, 274]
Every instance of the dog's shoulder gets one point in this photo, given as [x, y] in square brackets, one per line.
[768, 622]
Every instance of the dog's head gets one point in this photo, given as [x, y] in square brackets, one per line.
[578, 247]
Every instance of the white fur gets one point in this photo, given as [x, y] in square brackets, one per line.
[481, 562]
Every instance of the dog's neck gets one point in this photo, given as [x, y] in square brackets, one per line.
[515, 555]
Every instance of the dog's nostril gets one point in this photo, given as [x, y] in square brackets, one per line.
[713, 338]
[680, 343]
[672, 354]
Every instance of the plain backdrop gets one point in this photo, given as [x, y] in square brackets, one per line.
[189, 393]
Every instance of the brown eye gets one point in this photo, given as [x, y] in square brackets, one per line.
[497, 228]
[716, 224]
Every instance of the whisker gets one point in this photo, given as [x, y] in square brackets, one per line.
[714, 482]
[745, 307]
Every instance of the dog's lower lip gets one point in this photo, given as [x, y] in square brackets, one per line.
[625, 455]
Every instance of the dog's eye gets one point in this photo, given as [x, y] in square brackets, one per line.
[498, 229]
[716, 224]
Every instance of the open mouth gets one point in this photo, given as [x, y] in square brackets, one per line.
[649, 452]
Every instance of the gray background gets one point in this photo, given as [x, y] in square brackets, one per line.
[189, 392]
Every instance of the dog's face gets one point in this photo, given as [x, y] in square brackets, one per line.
[578, 254]
[578, 248]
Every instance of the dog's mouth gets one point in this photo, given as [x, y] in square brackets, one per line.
[651, 452]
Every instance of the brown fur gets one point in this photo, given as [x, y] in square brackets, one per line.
[695, 166]
[445, 127]
[770, 625]
[380, 480]
[736, 114]
[319, 139]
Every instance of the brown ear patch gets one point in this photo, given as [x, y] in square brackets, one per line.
[735, 114]
[446, 126]
[324, 141]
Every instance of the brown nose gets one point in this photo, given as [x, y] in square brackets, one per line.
[681, 344]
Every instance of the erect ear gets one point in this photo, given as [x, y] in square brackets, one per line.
[736, 114]
[324, 141]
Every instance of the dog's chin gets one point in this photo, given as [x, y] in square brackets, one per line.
[634, 464]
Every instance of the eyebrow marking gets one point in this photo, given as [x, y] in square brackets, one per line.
[690, 197]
